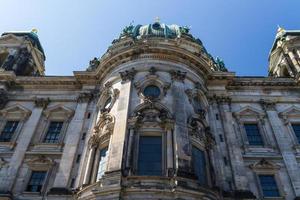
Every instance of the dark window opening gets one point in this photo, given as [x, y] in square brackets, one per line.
[8, 131]
[53, 133]
[253, 134]
[36, 181]
[269, 186]
[150, 156]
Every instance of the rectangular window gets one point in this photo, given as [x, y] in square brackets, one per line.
[36, 181]
[8, 131]
[296, 128]
[103, 162]
[253, 135]
[268, 186]
[199, 162]
[150, 156]
[53, 133]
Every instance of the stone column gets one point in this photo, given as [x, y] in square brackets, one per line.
[128, 165]
[234, 151]
[89, 166]
[284, 145]
[72, 140]
[95, 166]
[22, 145]
[170, 155]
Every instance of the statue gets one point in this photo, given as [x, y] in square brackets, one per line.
[93, 64]
[9, 62]
[220, 65]
[127, 30]
[184, 29]
[21, 61]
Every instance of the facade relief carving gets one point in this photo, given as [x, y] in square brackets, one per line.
[41, 102]
[108, 97]
[128, 74]
[178, 75]
[103, 130]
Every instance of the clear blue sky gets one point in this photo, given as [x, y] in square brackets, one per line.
[72, 32]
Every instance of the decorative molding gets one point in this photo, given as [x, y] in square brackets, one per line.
[178, 75]
[16, 111]
[267, 104]
[40, 162]
[59, 111]
[151, 113]
[108, 92]
[84, 97]
[128, 74]
[198, 100]
[249, 111]
[103, 130]
[41, 102]
[264, 164]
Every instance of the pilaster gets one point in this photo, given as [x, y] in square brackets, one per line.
[284, 145]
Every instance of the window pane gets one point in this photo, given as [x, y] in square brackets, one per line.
[296, 128]
[150, 156]
[102, 163]
[269, 186]
[8, 131]
[53, 132]
[36, 181]
[253, 134]
[199, 165]
[152, 91]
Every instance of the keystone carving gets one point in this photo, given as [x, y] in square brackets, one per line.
[42, 102]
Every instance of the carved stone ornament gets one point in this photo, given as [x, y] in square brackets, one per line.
[198, 100]
[264, 164]
[85, 97]
[107, 92]
[267, 104]
[152, 79]
[292, 112]
[199, 130]
[178, 75]
[59, 111]
[103, 129]
[41, 102]
[128, 74]
[3, 163]
[40, 162]
[151, 114]
[15, 111]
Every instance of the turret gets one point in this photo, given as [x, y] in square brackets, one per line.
[284, 58]
[22, 53]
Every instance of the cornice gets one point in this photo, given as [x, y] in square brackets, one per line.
[261, 81]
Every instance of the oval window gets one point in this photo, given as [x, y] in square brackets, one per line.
[151, 91]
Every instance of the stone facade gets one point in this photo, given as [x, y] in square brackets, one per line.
[156, 91]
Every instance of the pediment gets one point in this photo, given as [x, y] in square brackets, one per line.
[249, 111]
[264, 164]
[15, 111]
[59, 111]
[40, 162]
[292, 111]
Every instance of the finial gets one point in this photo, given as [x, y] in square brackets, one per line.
[280, 29]
[34, 30]
[157, 19]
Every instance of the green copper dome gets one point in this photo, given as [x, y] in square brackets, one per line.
[156, 29]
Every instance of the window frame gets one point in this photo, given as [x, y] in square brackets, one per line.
[151, 132]
[277, 180]
[259, 133]
[14, 134]
[61, 133]
[43, 184]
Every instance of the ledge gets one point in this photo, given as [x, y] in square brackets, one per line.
[59, 191]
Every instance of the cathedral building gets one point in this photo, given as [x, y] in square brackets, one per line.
[155, 117]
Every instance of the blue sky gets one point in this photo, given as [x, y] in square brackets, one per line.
[72, 32]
